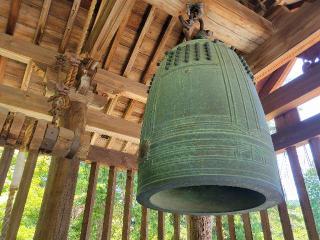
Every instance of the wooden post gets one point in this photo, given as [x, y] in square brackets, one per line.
[285, 221]
[144, 224]
[176, 225]
[247, 226]
[302, 193]
[315, 149]
[232, 229]
[5, 162]
[127, 206]
[219, 228]
[90, 199]
[57, 202]
[265, 225]
[22, 195]
[200, 228]
[161, 225]
[107, 221]
[287, 119]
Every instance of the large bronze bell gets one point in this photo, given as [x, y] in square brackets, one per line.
[205, 145]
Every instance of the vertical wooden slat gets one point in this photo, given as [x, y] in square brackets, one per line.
[176, 226]
[232, 229]
[265, 225]
[127, 206]
[199, 227]
[107, 221]
[22, 195]
[315, 149]
[247, 226]
[302, 193]
[161, 227]
[3, 63]
[90, 199]
[285, 221]
[219, 228]
[144, 224]
[5, 162]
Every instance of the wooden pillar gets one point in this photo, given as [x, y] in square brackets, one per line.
[90, 199]
[161, 226]
[219, 228]
[127, 206]
[287, 119]
[315, 149]
[57, 202]
[200, 228]
[22, 195]
[5, 162]
[107, 220]
[144, 223]
[302, 193]
[265, 225]
[176, 226]
[232, 229]
[247, 226]
[285, 221]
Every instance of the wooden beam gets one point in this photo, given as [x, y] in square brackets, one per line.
[114, 84]
[176, 226]
[42, 21]
[3, 63]
[219, 228]
[5, 162]
[156, 56]
[229, 20]
[276, 79]
[247, 226]
[113, 13]
[144, 224]
[285, 221]
[23, 51]
[67, 33]
[110, 157]
[315, 150]
[38, 107]
[127, 206]
[13, 16]
[111, 188]
[143, 32]
[232, 229]
[27, 76]
[265, 224]
[90, 199]
[161, 225]
[293, 94]
[298, 32]
[296, 134]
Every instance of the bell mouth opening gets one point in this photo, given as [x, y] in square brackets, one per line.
[207, 199]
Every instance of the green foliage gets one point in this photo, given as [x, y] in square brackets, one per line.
[33, 205]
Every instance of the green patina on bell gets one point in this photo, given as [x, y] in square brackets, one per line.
[205, 145]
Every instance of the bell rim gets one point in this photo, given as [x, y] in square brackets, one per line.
[272, 194]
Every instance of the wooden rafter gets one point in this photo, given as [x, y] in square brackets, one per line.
[293, 94]
[42, 21]
[276, 79]
[113, 13]
[13, 16]
[3, 63]
[298, 32]
[67, 33]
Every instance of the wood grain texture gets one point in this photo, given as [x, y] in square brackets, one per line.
[90, 200]
[265, 224]
[247, 226]
[232, 229]
[127, 206]
[42, 21]
[200, 227]
[107, 219]
[13, 16]
[219, 228]
[298, 32]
